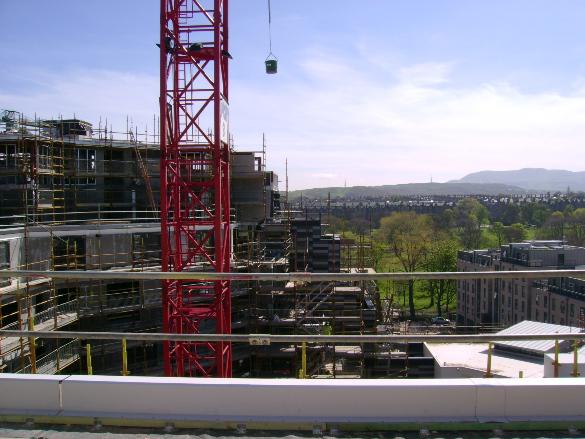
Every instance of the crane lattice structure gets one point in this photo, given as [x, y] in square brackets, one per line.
[195, 185]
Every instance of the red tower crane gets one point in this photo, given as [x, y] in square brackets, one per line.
[195, 184]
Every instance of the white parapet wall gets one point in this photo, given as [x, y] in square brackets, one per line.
[293, 401]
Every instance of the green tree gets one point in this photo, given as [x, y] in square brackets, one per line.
[515, 233]
[576, 232]
[409, 237]
[442, 256]
[377, 254]
[535, 214]
[554, 227]
[470, 215]
[445, 220]
[336, 224]
[498, 229]
[511, 214]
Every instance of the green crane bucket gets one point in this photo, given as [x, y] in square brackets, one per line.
[271, 66]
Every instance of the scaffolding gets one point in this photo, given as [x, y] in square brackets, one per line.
[49, 167]
[79, 197]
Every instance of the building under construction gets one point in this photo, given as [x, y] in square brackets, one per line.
[74, 196]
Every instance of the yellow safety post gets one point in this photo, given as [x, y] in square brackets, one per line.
[575, 372]
[32, 345]
[124, 358]
[303, 371]
[88, 359]
[556, 363]
[488, 372]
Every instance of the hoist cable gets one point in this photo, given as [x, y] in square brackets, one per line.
[269, 27]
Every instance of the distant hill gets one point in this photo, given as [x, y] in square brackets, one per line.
[536, 179]
[410, 189]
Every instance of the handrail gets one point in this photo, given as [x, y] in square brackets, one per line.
[265, 339]
[296, 276]
[48, 364]
[48, 314]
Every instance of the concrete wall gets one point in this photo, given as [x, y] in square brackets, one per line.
[273, 400]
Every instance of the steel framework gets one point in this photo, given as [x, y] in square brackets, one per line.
[195, 191]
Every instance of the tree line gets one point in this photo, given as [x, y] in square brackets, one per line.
[429, 242]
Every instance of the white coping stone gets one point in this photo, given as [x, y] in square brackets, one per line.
[281, 400]
[491, 400]
[352, 400]
[30, 394]
[545, 399]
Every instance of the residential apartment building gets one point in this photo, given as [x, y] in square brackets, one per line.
[506, 302]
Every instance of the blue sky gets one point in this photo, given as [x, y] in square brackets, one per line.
[370, 92]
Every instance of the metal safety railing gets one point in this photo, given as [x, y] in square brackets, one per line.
[296, 339]
[68, 353]
[293, 277]
[56, 360]
[267, 339]
[68, 309]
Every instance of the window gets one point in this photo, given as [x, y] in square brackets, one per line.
[572, 310]
[553, 304]
[523, 291]
[45, 180]
[545, 316]
[44, 157]
[4, 261]
[7, 156]
[85, 160]
[545, 300]
[8, 179]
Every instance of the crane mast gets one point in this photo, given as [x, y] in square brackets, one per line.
[195, 181]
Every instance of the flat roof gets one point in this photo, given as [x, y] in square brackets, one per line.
[474, 356]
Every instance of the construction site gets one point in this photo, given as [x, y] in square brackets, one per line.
[162, 279]
[79, 197]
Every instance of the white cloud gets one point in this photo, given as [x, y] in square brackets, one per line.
[425, 73]
[335, 122]
[371, 129]
[88, 94]
[323, 175]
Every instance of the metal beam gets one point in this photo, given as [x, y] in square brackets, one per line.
[294, 277]
[265, 339]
